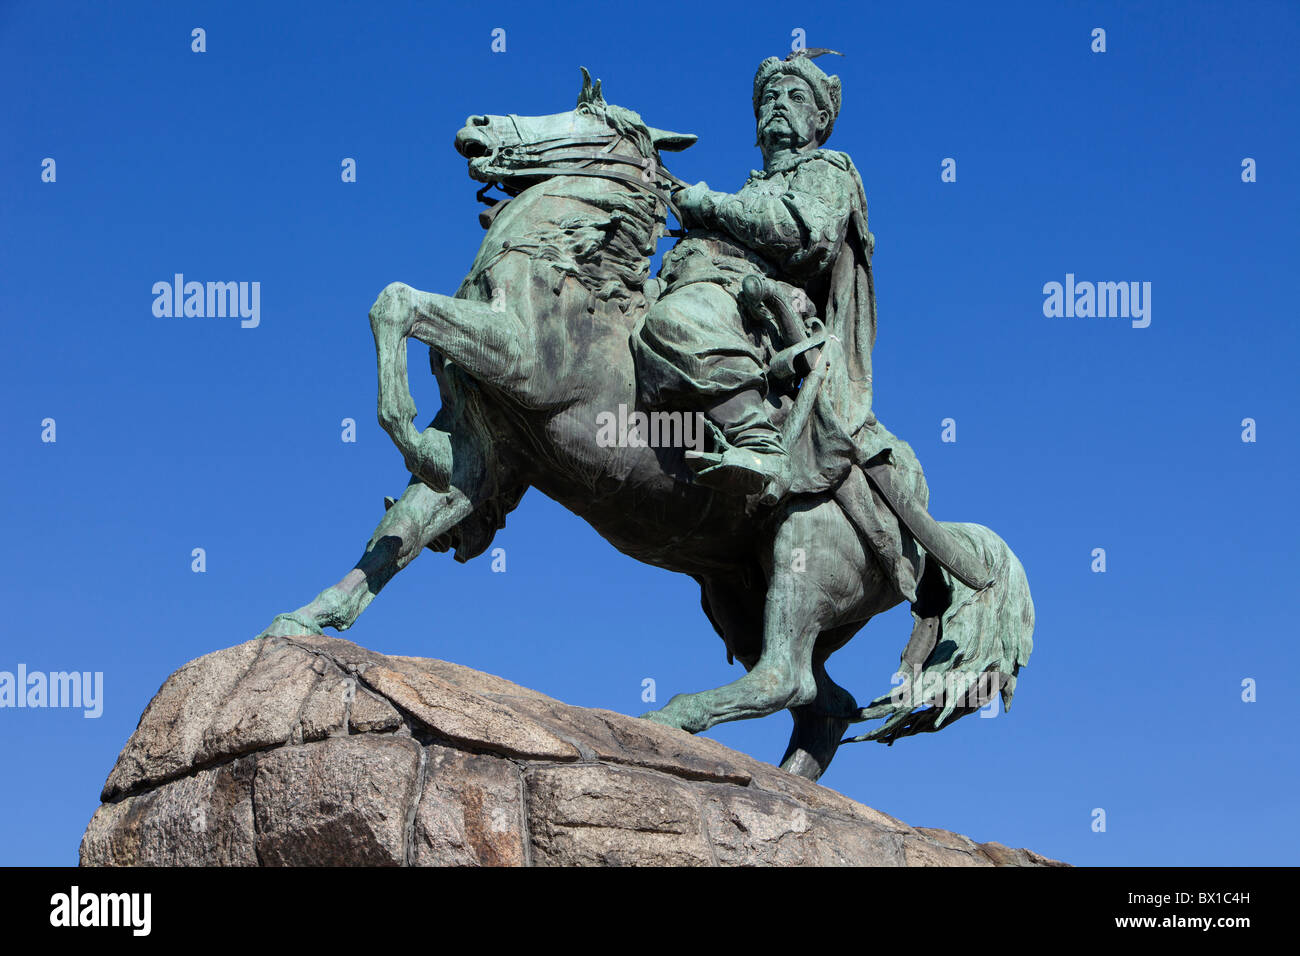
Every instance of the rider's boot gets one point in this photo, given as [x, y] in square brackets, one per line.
[754, 459]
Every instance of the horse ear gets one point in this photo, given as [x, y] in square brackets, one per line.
[670, 141]
[590, 92]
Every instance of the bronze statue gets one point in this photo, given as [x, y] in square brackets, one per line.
[804, 519]
[784, 233]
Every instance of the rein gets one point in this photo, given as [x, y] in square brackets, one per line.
[534, 153]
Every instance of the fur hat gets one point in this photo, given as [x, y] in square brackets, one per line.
[826, 89]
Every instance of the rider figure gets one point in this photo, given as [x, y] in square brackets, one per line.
[789, 224]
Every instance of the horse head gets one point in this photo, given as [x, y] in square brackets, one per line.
[600, 138]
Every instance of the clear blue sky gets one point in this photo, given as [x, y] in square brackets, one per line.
[1073, 434]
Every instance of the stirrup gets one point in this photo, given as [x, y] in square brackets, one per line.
[740, 471]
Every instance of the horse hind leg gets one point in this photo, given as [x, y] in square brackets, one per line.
[820, 726]
[799, 605]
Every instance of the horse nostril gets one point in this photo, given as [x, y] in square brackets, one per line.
[470, 142]
[477, 121]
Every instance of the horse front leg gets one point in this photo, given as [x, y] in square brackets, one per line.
[413, 522]
[491, 344]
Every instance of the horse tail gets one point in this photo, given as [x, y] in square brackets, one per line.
[966, 646]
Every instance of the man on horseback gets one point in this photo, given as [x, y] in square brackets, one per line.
[800, 226]
[524, 387]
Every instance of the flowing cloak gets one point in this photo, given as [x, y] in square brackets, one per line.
[842, 430]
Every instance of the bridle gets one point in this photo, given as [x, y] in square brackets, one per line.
[533, 159]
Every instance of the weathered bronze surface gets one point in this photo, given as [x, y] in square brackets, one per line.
[800, 515]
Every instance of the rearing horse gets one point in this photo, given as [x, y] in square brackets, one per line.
[530, 352]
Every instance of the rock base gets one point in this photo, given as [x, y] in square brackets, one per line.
[312, 751]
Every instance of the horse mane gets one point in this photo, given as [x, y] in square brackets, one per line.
[616, 268]
[629, 123]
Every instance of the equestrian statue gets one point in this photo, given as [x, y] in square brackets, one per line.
[798, 513]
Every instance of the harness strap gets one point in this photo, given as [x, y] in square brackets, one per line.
[636, 181]
[606, 155]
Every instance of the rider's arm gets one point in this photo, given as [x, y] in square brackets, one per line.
[801, 229]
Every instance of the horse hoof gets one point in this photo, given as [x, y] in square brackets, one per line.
[291, 625]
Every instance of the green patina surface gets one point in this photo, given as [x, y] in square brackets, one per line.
[799, 514]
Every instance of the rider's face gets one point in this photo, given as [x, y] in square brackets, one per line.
[788, 117]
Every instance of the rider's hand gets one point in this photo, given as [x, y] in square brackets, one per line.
[692, 201]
